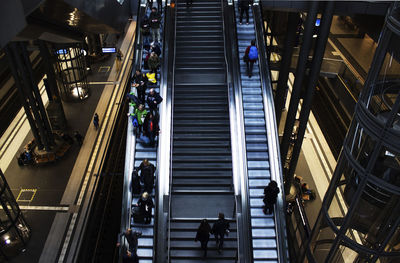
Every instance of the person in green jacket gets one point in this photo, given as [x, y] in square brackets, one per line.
[141, 113]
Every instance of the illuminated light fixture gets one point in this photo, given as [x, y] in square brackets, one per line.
[7, 240]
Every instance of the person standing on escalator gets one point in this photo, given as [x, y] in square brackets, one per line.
[244, 7]
[252, 55]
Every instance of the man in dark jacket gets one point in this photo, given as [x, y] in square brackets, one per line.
[270, 195]
[145, 29]
[155, 48]
[220, 229]
[244, 7]
[155, 22]
[147, 170]
[153, 99]
[132, 237]
[139, 81]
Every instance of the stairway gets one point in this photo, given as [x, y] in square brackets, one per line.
[263, 226]
[201, 155]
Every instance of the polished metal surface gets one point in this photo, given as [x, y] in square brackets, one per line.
[272, 138]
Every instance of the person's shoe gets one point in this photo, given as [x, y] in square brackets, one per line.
[250, 75]
[219, 251]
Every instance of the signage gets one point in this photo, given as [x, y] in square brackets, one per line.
[108, 50]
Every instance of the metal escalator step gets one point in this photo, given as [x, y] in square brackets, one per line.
[264, 243]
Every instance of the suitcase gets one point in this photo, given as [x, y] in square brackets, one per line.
[138, 217]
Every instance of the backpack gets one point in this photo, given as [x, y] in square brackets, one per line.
[135, 121]
[253, 54]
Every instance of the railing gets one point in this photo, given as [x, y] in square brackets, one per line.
[272, 135]
[238, 145]
[162, 215]
[130, 139]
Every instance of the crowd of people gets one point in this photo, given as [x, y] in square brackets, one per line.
[145, 116]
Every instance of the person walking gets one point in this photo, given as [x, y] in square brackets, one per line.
[132, 237]
[271, 192]
[147, 170]
[220, 229]
[139, 81]
[140, 113]
[96, 121]
[146, 205]
[130, 257]
[145, 30]
[203, 235]
[155, 22]
[118, 61]
[244, 8]
[252, 55]
[78, 138]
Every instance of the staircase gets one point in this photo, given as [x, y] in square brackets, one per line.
[263, 226]
[201, 155]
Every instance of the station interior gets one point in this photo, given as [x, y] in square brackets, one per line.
[317, 111]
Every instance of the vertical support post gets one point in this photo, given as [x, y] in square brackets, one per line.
[300, 72]
[313, 78]
[18, 82]
[282, 86]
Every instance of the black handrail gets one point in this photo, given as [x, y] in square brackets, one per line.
[242, 202]
[162, 210]
[280, 223]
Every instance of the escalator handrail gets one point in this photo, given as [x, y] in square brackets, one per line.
[238, 145]
[163, 187]
[272, 135]
[130, 139]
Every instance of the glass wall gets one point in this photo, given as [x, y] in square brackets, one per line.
[360, 216]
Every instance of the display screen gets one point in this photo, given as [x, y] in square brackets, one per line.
[108, 50]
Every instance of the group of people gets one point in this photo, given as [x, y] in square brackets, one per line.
[220, 229]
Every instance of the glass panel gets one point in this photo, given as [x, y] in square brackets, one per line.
[361, 146]
[322, 245]
[387, 166]
[347, 255]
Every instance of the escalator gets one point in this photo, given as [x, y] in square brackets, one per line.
[202, 183]
[267, 231]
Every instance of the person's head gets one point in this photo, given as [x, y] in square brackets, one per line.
[146, 162]
[145, 195]
[138, 71]
[221, 216]
[152, 91]
[128, 231]
[153, 10]
[153, 54]
[141, 107]
[203, 223]
[253, 42]
[273, 184]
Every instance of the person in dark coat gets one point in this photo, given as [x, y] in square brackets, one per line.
[150, 128]
[145, 30]
[271, 192]
[250, 61]
[139, 81]
[136, 187]
[153, 99]
[155, 22]
[220, 229]
[96, 121]
[147, 170]
[146, 205]
[244, 7]
[203, 235]
[132, 237]
[155, 48]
